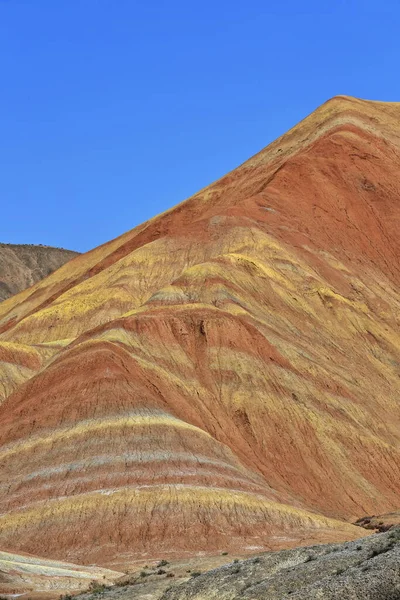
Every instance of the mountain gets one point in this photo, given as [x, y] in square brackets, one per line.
[22, 265]
[224, 377]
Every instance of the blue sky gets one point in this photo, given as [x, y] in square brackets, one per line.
[112, 111]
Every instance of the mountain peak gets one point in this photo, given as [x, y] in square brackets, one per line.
[224, 376]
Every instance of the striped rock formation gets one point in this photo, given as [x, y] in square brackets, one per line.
[224, 376]
[40, 578]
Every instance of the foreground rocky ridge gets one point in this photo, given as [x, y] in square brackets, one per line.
[366, 569]
[224, 376]
[22, 265]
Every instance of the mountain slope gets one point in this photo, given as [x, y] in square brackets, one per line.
[22, 265]
[46, 578]
[225, 376]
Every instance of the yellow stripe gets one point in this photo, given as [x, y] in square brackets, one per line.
[95, 426]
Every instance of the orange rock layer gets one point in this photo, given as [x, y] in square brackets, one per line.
[224, 376]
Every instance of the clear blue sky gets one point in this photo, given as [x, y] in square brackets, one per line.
[112, 111]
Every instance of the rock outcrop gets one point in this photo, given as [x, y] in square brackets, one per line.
[367, 570]
[224, 376]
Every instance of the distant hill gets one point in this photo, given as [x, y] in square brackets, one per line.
[22, 265]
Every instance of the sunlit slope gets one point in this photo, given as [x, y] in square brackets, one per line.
[339, 161]
[225, 376]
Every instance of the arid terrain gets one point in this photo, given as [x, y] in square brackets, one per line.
[366, 569]
[224, 377]
[22, 265]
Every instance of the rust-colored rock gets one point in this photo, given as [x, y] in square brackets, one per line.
[225, 376]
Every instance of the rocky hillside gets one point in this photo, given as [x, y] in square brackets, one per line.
[224, 377]
[22, 265]
[366, 569]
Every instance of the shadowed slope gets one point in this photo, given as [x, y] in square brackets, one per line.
[225, 375]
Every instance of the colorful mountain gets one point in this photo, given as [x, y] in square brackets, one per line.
[224, 376]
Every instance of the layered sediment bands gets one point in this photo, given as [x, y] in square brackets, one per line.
[24, 573]
[225, 376]
[18, 362]
[192, 516]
